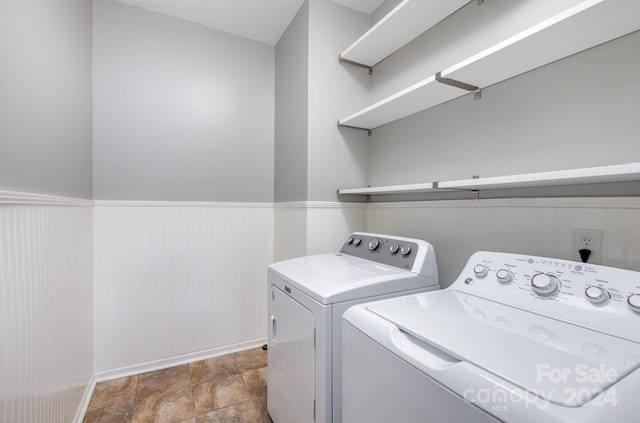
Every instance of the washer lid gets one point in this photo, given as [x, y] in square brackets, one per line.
[559, 362]
[330, 278]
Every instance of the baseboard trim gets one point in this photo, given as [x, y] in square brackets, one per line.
[177, 360]
[86, 399]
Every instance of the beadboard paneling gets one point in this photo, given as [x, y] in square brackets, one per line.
[541, 227]
[305, 228]
[172, 280]
[289, 230]
[45, 312]
[328, 226]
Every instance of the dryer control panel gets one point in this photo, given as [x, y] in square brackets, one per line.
[410, 254]
[598, 297]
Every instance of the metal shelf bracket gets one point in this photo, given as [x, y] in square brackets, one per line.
[475, 194]
[455, 83]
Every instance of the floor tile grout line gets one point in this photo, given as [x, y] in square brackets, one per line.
[135, 399]
[251, 397]
[193, 395]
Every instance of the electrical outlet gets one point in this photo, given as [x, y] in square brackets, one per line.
[590, 239]
[586, 241]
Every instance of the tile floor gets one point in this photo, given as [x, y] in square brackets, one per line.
[226, 389]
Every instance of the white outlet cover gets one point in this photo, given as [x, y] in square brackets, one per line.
[596, 246]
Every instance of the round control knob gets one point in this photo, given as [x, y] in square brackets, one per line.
[394, 248]
[373, 244]
[480, 270]
[545, 285]
[504, 276]
[357, 241]
[634, 302]
[596, 295]
[350, 240]
[405, 250]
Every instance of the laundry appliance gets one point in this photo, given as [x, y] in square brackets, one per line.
[306, 299]
[515, 339]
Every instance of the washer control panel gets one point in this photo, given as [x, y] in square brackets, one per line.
[598, 297]
[405, 253]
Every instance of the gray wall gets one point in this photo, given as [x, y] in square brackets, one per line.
[45, 97]
[292, 63]
[338, 156]
[446, 44]
[580, 111]
[181, 111]
[315, 157]
[384, 9]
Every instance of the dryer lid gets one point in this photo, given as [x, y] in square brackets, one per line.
[330, 278]
[559, 362]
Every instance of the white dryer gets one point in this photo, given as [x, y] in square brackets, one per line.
[307, 297]
[515, 339]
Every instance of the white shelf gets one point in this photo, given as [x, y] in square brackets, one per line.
[400, 26]
[392, 189]
[588, 24]
[423, 95]
[590, 175]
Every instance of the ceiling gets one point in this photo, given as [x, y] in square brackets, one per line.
[259, 20]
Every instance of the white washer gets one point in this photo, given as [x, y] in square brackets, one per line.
[307, 297]
[515, 339]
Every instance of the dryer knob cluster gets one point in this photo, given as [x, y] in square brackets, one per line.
[354, 241]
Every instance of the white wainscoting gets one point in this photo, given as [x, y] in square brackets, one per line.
[314, 227]
[329, 224]
[534, 226]
[175, 279]
[45, 308]
[289, 230]
[178, 281]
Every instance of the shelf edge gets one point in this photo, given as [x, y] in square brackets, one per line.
[587, 175]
